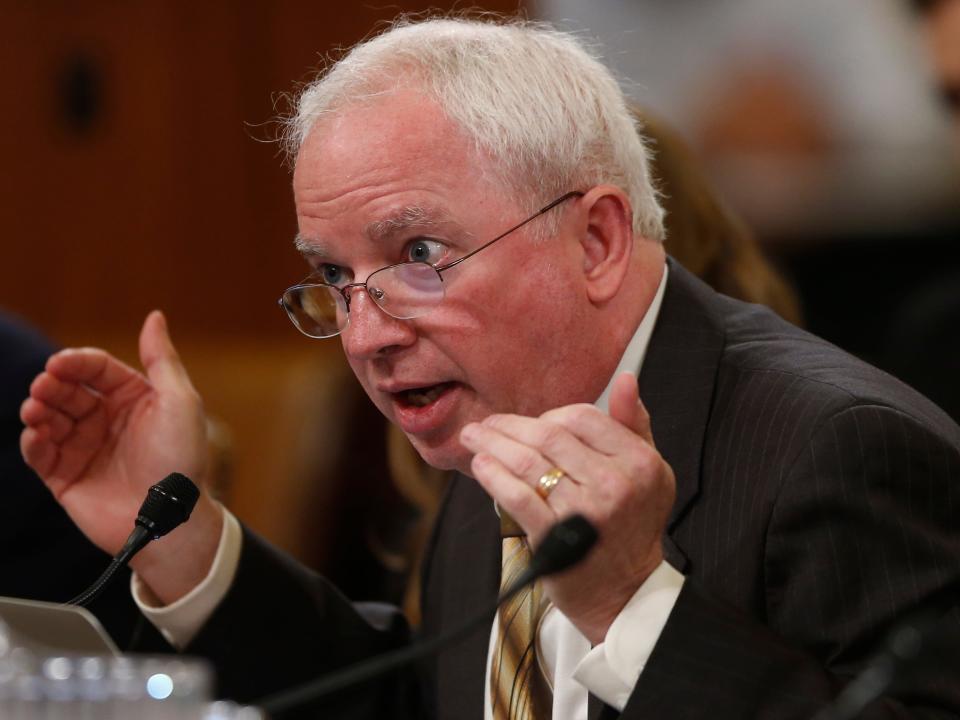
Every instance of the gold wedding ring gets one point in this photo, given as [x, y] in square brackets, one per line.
[548, 481]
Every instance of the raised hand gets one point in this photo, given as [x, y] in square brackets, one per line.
[99, 434]
[613, 475]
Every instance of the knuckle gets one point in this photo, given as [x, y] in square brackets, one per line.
[496, 421]
[551, 435]
[491, 421]
[607, 477]
[582, 413]
[527, 463]
[646, 462]
[568, 413]
[481, 465]
[518, 501]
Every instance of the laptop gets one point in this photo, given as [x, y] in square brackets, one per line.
[54, 629]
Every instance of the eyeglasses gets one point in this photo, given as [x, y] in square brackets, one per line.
[404, 291]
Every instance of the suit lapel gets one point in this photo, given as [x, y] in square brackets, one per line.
[471, 539]
[677, 385]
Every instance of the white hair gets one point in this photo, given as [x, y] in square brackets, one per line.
[532, 98]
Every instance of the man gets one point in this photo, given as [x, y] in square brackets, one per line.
[475, 206]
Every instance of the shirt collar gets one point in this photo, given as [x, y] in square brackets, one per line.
[632, 358]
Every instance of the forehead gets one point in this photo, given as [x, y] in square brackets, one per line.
[373, 160]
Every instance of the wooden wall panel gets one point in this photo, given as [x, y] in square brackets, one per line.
[152, 190]
[133, 178]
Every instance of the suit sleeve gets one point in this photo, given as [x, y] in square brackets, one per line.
[865, 530]
[281, 625]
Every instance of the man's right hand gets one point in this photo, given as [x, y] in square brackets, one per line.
[99, 434]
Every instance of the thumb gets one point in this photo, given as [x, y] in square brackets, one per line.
[159, 356]
[626, 407]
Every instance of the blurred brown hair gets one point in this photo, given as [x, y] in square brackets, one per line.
[705, 236]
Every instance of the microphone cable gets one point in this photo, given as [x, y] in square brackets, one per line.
[565, 544]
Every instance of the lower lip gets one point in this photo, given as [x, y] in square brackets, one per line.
[419, 420]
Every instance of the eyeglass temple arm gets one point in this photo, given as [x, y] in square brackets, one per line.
[541, 211]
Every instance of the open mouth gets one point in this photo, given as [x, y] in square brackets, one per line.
[422, 396]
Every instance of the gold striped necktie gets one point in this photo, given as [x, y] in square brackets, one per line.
[518, 689]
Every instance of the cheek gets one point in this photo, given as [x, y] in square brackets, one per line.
[535, 293]
[546, 307]
[516, 353]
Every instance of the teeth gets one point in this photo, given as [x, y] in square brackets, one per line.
[424, 396]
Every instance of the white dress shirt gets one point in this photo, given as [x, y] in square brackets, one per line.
[572, 667]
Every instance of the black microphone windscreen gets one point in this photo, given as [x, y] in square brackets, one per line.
[168, 504]
[566, 543]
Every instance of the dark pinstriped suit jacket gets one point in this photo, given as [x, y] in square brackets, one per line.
[817, 501]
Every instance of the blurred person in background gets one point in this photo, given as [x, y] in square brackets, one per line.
[811, 117]
[704, 234]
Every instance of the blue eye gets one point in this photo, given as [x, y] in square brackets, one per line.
[427, 251]
[332, 274]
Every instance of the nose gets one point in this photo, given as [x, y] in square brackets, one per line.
[371, 332]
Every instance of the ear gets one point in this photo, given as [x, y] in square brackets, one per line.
[607, 241]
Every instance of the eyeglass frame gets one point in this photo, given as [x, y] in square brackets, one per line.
[440, 269]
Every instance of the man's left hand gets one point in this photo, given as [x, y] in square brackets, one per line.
[613, 475]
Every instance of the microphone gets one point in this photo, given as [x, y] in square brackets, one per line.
[565, 544]
[167, 505]
[907, 647]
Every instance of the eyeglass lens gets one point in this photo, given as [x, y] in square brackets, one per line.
[404, 291]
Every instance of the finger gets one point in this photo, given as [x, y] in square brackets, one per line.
[94, 368]
[513, 495]
[77, 450]
[593, 427]
[38, 451]
[518, 457]
[627, 408]
[34, 412]
[525, 463]
[159, 356]
[68, 397]
[553, 431]
[582, 465]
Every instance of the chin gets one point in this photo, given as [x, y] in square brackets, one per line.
[444, 456]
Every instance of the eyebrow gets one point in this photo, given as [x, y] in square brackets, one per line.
[379, 231]
[412, 216]
[307, 248]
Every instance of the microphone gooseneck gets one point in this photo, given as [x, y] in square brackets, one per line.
[565, 544]
[907, 647]
[167, 505]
